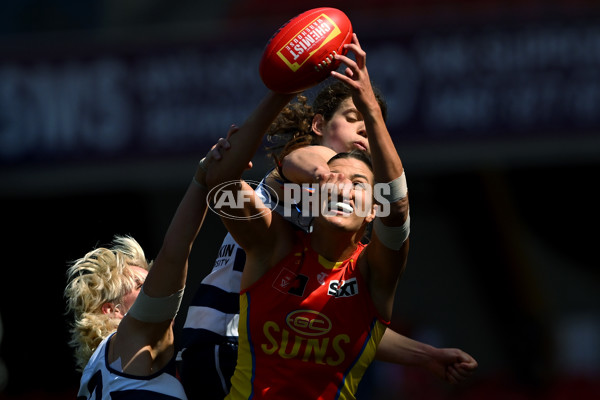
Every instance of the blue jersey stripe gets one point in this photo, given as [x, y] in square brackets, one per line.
[217, 298]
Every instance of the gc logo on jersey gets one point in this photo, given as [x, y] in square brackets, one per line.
[343, 288]
[308, 322]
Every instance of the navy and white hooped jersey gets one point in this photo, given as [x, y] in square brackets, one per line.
[212, 316]
[100, 381]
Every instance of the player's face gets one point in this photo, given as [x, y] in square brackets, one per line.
[345, 130]
[349, 210]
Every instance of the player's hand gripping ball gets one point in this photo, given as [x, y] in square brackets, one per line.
[300, 54]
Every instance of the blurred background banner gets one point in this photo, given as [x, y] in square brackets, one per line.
[472, 82]
[106, 107]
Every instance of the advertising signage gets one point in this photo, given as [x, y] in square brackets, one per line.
[460, 84]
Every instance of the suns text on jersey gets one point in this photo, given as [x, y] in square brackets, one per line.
[320, 350]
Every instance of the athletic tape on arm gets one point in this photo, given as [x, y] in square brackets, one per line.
[392, 237]
[398, 189]
[155, 309]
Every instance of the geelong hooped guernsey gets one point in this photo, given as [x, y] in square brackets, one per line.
[308, 329]
[212, 316]
[208, 344]
[101, 381]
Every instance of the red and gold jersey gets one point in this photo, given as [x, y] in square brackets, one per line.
[308, 329]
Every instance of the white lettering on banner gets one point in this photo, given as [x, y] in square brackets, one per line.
[515, 79]
[62, 109]
[464, 84]
[103, 105]
[387, 63]
[190, 97]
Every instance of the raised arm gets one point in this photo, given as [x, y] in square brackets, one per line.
[248, 139]
[253, 227]
[144, 339]
[388, 250]
[307, 164]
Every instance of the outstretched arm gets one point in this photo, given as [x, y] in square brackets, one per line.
[386, 255]
[307, 164]
[386, 162]
[254, 229]
[144, 339]
[169, 271]
[449, 364]
[248, 139]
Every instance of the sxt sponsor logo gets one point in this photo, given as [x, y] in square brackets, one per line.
[343, 288]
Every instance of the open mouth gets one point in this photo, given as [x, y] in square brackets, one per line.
[341, 207]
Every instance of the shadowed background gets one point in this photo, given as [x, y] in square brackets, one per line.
[106, 107]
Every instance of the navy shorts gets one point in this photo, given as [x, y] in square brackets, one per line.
[205, 370]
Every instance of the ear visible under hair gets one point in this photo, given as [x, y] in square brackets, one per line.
[108, 308]
[317, 124]
[373, 213]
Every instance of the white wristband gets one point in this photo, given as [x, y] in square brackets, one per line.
[398, 189]
[392, 237]
[155, 309]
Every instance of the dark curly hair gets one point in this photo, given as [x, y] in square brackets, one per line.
[292, 128]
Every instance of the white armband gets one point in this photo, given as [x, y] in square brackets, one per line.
[392, 237]
[398, 189]
[155, 309]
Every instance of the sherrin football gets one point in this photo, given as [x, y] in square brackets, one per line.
[300, 53]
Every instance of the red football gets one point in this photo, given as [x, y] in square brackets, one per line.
[300, 54]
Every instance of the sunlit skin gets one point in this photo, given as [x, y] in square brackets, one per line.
[345, 130]
[353, 178]
[336, 236]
